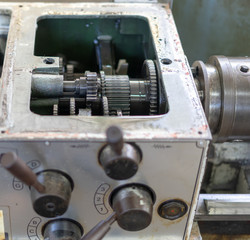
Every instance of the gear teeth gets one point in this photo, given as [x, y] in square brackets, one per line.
[70, 72]
[72, 104]
[105, 106]
[92, 86]
[117, 90]
[55, 110]
[151, 75]
[61, 69]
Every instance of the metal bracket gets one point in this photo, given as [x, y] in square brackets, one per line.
[223, 207]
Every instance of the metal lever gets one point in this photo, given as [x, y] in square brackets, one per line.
[101, 229]
[115, 139]
[120, 160]
[17, 167]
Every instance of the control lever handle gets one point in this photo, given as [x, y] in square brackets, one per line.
[101, 229]
[17, 167]
[120, 160]
[115, 139]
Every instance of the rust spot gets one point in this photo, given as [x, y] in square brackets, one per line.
[177, 60]
[204, 127]
[183, 66]
[174, 135]
[168, 223]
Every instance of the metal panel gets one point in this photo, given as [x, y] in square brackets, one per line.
[162, 162]
[173, 145]
[177, 80]
[223, 207]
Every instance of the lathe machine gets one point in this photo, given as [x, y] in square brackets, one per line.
[103, 119]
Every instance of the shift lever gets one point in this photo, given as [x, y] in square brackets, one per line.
[17, 167]
[101, 229]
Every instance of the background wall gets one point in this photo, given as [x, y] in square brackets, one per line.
[209, 27]
[206, 27]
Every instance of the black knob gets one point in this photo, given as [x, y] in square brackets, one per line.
[133, 206]
[120, 160]
[55, 200]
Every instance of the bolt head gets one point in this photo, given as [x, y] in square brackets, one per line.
[244, 68]
[49, 60]
[172, 209]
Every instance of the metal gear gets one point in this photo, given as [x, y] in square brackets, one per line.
[61, 69]
[72, 108]
[55, 110]
[117, 90]
[70, 72]
[105, 106]
[92, 86]
[149, 71]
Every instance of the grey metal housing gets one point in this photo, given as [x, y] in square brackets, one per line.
[173, 145]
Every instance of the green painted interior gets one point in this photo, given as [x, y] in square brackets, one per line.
[73, 38]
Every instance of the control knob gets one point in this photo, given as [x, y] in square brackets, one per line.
[120, 160]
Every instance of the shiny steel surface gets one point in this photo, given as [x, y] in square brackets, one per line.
[133, 206]
[128, 96]
[209, 85]
[117, 90]
[226, 96]
[62, 229]
[150, 73]
[223, 207]
[101, 229]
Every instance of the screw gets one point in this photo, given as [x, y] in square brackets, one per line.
[49, 60]
[166, 61]
[244, 68]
